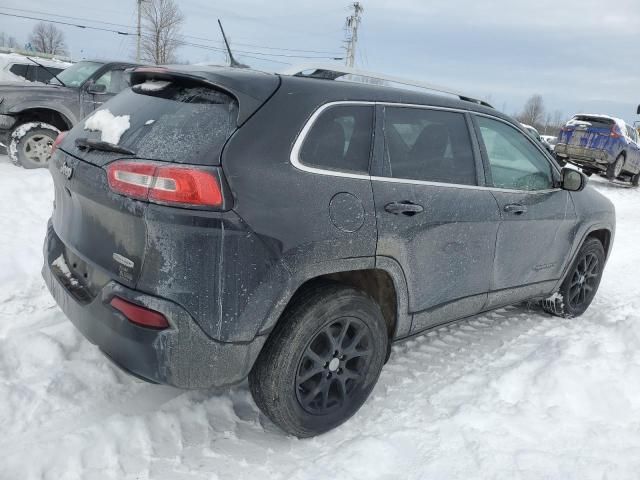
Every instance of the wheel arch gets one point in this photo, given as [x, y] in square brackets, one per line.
[384, 282]
[603, 233]
[46, 115]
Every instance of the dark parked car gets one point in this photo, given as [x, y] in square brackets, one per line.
[601, 144]
[291, 228]
[535, 134]
[32, 115]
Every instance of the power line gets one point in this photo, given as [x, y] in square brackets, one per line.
[246, 53]
[334, 54]
[69, 24]
[66, 16]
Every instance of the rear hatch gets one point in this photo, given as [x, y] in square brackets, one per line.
[178, 123]
[589, 131]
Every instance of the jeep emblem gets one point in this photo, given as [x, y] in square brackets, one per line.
[66, 170]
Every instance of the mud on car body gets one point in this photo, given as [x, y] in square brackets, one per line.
[601, 144]
[290, 228]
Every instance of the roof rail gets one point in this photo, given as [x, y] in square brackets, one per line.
[333, 72]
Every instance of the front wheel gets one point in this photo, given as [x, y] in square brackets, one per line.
[635, 179]
[322, 360]
[581, 283]
[30, 144]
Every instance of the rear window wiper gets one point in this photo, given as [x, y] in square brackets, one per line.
[87, 143]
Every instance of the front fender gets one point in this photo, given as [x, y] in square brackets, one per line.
[595, 212]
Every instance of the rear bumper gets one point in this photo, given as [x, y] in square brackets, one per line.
[584, 156]
[182, 356]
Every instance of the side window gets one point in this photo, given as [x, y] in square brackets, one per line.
[114, 80]
[340, 139]
[20, 70]
[631, 133]
[515, 162]
[429, 145]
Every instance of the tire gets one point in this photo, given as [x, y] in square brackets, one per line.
[581, 283]
[635, 179]
[30, 144]
[307, 381]
[614, 170]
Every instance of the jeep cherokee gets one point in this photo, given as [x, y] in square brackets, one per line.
[218, 224]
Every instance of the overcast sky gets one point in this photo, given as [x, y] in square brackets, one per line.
[580, 55]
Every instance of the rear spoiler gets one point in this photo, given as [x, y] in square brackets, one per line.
[251, 94]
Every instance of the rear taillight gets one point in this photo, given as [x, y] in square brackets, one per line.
[57, 142]
[139, 315]
[174, 185]
[615, 132]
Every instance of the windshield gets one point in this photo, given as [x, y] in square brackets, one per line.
[77, 74]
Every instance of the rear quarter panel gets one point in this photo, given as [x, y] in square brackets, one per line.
[289, 209]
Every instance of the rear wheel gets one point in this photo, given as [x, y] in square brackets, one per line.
[321, 361]
[30, 144]
[614, 170]
[635, 179]
[581, 283]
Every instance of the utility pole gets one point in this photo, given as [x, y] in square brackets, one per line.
[351, 26]
[139, 30]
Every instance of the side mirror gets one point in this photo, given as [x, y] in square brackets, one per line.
[97, 88]
[573, 180]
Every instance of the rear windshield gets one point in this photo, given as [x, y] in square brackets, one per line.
[172, 122]
[595, 122]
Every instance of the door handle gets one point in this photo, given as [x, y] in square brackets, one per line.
[515, 208]
[406, 208]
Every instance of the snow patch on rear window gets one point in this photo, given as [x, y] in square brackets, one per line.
[152, 85]
[111, 127]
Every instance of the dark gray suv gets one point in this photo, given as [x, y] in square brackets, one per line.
[213, 224]
[32, 115]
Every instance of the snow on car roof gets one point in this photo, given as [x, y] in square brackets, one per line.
[621, 123]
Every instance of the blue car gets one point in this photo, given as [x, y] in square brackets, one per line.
[601, 144]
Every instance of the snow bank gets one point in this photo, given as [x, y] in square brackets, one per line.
[514, 394]
[111, 127]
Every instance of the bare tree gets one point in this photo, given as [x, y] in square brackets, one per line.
[533, 112]
[8, 41]
[162, 20]
[47, 38]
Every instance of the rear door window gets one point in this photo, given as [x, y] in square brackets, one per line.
[340, 139]
[428, 145]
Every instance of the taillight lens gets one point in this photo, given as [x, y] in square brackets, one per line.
[174, 185]
[57, 142]
[139, 315]
[615, 132]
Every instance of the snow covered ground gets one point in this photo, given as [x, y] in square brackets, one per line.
[514, 394]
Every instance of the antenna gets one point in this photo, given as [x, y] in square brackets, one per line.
[233, 63]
